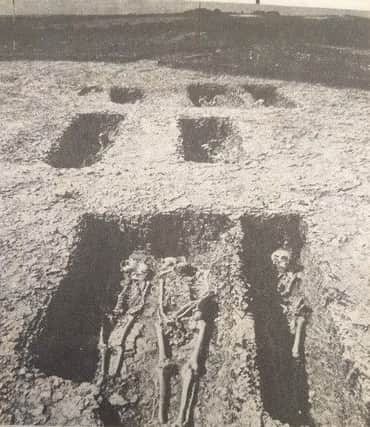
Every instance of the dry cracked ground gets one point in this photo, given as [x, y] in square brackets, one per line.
[100, 162]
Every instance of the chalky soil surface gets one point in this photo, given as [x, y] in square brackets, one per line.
[195, 180]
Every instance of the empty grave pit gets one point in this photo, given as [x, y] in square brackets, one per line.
[208, 139]
[217, 95]
[244, 357]
[125, 95]
[267, 95]
[85, 140]
[206, 94]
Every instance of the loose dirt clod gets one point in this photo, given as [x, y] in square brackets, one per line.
[125, 95]
[205, 139]
[84, 141]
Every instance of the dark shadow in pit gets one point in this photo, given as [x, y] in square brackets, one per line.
[205, 94]
[109, 415]
[266, 93]
[84, 141]
[66, 342]
[125, 95]
[202, 139]
[284, 385]
[184, 232]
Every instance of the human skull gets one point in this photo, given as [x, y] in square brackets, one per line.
[168, 262]
[198, 315]
[141, 271]
[281, 259]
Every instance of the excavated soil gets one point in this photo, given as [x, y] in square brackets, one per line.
[216, 191]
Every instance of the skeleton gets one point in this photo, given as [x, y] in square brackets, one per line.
[190, 370]
[294, 304]
[116, 328]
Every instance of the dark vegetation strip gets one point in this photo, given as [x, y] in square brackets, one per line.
[333, 51]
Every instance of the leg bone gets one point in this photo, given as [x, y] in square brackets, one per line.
[118, 337]
[190, 378]
[298, 336]
[117, 341]
[104, 349]
[163, 374]
[162, 314]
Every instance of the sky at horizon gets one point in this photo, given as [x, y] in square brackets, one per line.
[130, 6]
[329, 4]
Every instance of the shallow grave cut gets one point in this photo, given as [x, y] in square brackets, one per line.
[125, 95]
[284, 388]
[85, 140]
[86, 90]
[215, 95]
[309, 387]
[267, 95]
[208, 139]
[245, 96]
[206, 94]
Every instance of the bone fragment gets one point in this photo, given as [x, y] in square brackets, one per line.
[161, 301]
[103, 350]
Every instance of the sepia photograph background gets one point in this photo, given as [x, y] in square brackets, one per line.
[184, 213]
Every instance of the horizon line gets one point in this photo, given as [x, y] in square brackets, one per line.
[163, 12]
